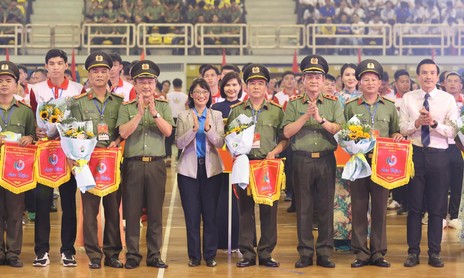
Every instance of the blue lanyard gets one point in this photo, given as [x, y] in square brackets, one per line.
[6, 121]
[254, 116]
[101, 111]
[60, 92]
[372, 114]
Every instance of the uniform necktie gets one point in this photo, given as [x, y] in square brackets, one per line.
[425, 132]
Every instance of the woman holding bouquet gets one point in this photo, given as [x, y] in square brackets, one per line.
[18, 118]
[381, 115]
[200, 131]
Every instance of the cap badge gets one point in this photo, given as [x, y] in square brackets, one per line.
[145, 66]
[314, 61]
[255, 70]
[99, 58]
[5, 67]
[370, 65]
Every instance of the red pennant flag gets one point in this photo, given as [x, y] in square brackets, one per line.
[73, 66]
[7, 54]
[295, 63]
[142, 55]
[223, 57]
[433, 54]
[359, 55]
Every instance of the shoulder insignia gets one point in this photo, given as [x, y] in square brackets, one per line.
[80, 96]
[25, 104]
[128, 102]
[118, 95]
[292, 98]
[388, 99]
[331, 97]
[161, 99]
[237, 104]
[352, 100]
[275, 104]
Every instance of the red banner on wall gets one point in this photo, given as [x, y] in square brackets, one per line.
[104, 165]
[52, 168]
[17, 167]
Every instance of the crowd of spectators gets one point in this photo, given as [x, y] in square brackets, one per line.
[164, 11]
[11, 11]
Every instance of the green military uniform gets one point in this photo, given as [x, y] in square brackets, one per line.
[269, 119]
[144, 170]
[17, 118]
[314, 167]
[383, 117]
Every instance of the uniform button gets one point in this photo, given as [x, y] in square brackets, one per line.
[146, 121]
[146, 134]
[144, 146]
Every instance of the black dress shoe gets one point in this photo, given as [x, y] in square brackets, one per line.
[436, 261]
[113, 262]
[270, 262]
[15, 262]
[324, 261]
[131, 264]
[304, 262]
[2, 262]
[246, 262]
[380, 262]
[193, 262]
[211, 263]
[95, 264]
[158, 263]
[359, 263]
[291, 208]
[412, 260]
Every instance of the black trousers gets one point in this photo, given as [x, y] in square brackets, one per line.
[199, 201]
[429, 185]
[44, 197]
[456, 177]
[11, 213]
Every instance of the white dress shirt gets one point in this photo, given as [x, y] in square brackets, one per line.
[443, 110]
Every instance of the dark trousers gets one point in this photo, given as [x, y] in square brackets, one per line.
[456, 176]
[112, 245]
[144, 183]
[314, 187]
[247, 235]
[363, 190]
[44, 197]
[429, 185]
[288, 154]
[29, 200]
[400, 194]
[11, 213]
[222, 215]
[199, 201]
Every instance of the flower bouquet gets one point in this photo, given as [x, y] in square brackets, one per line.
[51, 112]
[356, 139]
[239, 140]
[78, 142]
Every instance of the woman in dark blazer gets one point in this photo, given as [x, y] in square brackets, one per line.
[200, 131]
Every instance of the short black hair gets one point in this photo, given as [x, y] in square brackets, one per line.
[230, 67]
[22, 67]
[42, 71]
[399, 73]
[385, 76]
[116, 57]
[287, 73]
[204, 85]
[426, 62]
[166, 81]
[52, 53]
[209, 67]
[177, 82]
[229, 76]
[329, 77]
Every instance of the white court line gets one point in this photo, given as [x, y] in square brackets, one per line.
[167, 233]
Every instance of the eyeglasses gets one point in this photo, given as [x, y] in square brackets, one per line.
[201, 92]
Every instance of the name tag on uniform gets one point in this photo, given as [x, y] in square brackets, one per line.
[103, 133]
[256, 141]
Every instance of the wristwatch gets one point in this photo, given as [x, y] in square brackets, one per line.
[435, 124]
[322, 122]
[157, 116]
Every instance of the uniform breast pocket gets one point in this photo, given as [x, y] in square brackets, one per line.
[382, 123]
[266, 128]
[90, 115]
[17, 127]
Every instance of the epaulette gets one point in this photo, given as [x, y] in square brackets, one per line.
[25, 104]
[292, 98]
[81, 96]
[237, 104]
[389, 99]
[161, 99]
[331, 97]
[351, 100]
[118, 95]
[275, 104]
[128, 102]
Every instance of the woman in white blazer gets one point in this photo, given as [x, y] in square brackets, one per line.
[200, 131]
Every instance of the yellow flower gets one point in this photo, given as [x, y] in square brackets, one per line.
[367, 135]
[54, 119]
[43, 115]
[352, 128]
[69, 132]
[359, 133]
[57, 111]
[90, 134]
[352, 136]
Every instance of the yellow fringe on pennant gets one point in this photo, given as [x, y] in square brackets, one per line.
[409, 171]
[252, 189]
[46, 181]
[115, 186]
[7, 185]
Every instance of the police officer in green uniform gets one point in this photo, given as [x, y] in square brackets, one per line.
[268, 143]
[16, 117]
[310, 121]
[380, 113]
[145, 123]
[100, 107]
